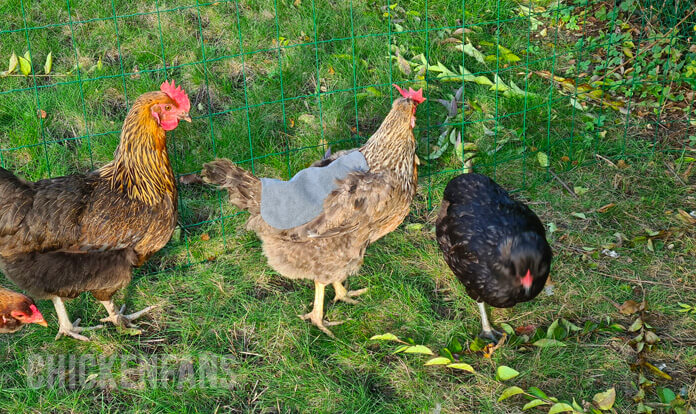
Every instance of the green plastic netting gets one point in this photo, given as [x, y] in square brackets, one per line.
[523, 90]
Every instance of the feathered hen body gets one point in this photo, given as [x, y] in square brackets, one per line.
[495, 245]
[363, 208]
[63, 236]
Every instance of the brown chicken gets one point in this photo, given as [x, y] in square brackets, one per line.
[17, 310]
[363, 207]
[64, 236]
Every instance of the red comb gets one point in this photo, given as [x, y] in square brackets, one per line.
[415, 95]
[178, 94]
[33, 308]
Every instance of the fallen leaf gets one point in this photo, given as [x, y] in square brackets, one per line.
[525, 329]
[418, 349]
[580, 190]
[547, 343]
[489, 349]
[534, 403]
[686, 217]
[13, 64]
[605, 400]
[622, 164]
[136, 73]
[205, 237]
[438, 361]
[505, 373]
[470, 50]
[385, 337]
[24, 66]
[651, 337]
[41, 113]
[190, 179]
[657, 371]
[631, 306]
[404, 66]
[509, 392]
[462, 366]
[606, 208]
[560, 408]
[49, 63]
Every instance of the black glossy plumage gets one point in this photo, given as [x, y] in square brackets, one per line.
[490, 241]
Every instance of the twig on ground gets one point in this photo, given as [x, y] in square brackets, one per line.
[610, 162]
[570, 190]
[649, 282]
[670, 169]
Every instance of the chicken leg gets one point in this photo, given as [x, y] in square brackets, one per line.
[118, 318]
[487, 331]
[316, 316]
[67, 328]
[345, 295]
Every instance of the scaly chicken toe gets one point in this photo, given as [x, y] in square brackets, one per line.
[316, 316]
[118, 318]
[492, 335]
[487, 331]
[345, 295]
[320, 322]
[67, 328]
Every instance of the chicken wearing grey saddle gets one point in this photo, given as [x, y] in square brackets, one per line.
[495, 245]
[358, 196]
[63, 236]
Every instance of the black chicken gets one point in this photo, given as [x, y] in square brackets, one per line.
[496, 246]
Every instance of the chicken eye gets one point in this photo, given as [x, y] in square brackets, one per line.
[167, 107]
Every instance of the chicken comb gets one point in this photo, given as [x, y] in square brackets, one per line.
[415, 95]
[177, 94]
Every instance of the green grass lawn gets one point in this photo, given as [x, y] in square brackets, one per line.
[271, 84]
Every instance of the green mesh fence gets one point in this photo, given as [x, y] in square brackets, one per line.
[520, 91]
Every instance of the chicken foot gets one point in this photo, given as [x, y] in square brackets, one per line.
[316, 316]
[487, 331]
[118, 318]
[67, 328]
[345, 295]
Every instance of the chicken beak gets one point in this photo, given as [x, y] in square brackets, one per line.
[42, 323]
[185, 117]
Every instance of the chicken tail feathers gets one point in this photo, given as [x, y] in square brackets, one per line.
[243, 187]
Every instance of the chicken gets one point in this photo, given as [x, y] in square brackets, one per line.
[363, 206]
[496, 246]
[17, 310]
[63, 236]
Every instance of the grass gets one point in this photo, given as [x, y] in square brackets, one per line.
[274, 110]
